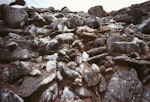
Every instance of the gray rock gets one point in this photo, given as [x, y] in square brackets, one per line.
[19, 16]
[132, 61]
[146, 95]
[74, 22]
[65, 38]
[92, 78]
[97, 11]
[92, 22]
[68, 94]
[83, 92]
[12, 73]
[124, 86]
[7, 95]
[124, 48]
[145, 27]
[99, 42]
[31, 84]
[21, 55]
[50, 93]
[129, 16]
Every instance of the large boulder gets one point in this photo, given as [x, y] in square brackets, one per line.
[97, 11]
[13, 17]
[124, 86]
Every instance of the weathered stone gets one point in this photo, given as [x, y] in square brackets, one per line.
[130, 16]
[92, 22]
[128, 60]
[97, 11]
[92, 78]
[19, 16]
[21, 54]
[7, 95]
[31, 84]
[74, 22]
[50, 93]
[68, 95]
[124, 86]
[83, 92]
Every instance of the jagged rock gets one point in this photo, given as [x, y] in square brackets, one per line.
[12, 73]
[92, 22]
[124, 86]
[50, 93]
[31, 84]
[97, 11]
[7, 95]
[19, 16]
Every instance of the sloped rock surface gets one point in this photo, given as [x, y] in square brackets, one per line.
[49, 55]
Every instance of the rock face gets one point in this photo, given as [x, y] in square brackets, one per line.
[49, 55]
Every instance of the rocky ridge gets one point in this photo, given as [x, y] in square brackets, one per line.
[49, 55]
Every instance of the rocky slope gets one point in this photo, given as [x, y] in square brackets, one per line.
[49, 55]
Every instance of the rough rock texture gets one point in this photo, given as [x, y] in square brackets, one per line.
[124, 86]
[49, 55]
[97, 11]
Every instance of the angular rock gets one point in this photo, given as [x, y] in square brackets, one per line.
[50, 93]
[31, 84]
[68, 95]
[92, 22]
[97, 11]
[92, 78]
[7, 95]
[19, 16]
[124, 86]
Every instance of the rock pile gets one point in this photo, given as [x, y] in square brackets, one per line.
[49, 55]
